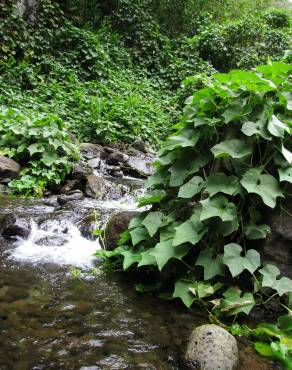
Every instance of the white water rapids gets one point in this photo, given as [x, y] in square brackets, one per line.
[69, 247]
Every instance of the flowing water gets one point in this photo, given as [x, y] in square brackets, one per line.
[50, 320]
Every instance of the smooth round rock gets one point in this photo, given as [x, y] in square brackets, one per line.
[212, 348]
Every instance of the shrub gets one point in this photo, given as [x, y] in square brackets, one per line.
[41, 143]
[241, 44]
[276, 18]
[216, 179]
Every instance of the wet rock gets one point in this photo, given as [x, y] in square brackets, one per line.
[96, 186]
[88, 224]
[53, 241]
[75, 195]
[141, 165]
[116, 158]
[69, 186]
[90, 151]
[81, 170]
[117, 173]
[141, 146]
[94, 162]
[212, 348]
[277, 246]
[12, 227]
[9, 169]
[118, 223]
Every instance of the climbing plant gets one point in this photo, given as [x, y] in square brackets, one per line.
[216, 179]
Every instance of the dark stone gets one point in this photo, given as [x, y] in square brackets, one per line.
[278, 245]
[117, 158]
[96, 186]
[12, 227]
[141, 146]
[53, 241]
[81, 170]
[118, 223]
[117, 173]
[69, 186]
[64, 198]
[90, 151]
[9, 169]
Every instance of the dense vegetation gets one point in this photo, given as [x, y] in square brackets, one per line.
[113, 72]
[212, 79]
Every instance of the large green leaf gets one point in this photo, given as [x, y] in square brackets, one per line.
[220, 183]
[191, 188]
[270, 274]
[147, 258]
[236, 263]
[152, 222]
[276, 127]
[165, 250]
[266, 186]
[287, 154]
[190, 231]
[185, 167]
[231, 148]
[212, 266]
[130, 257]
[182, 291]
[138, 234]
[218, 206]
[233, 303]
[186, 138]
[257, 128]
[285, 174]
[48, 158]
[253, 231]
[152, 197]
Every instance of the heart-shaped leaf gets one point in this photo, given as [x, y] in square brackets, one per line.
[218, 206]
[212, 266]
[220, 183]
[236, 263]
[231, 148]
[270, 274]
[266, 186]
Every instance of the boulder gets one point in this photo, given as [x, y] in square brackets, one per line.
[96, 187]
[73, 196]
[69, 186]
[140, 164]
[90, 151]
[116, 158]
[12, 227]
[212, 348]
[117, 223]
[277, 247]
[141, 146]
[9, 169]
[81, 170]
[94, 162]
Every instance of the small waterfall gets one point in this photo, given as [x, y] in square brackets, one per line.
[60, 244]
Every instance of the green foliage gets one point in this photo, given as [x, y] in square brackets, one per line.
[270, 340]
[213, 179]
[244, 43]
[43, 139]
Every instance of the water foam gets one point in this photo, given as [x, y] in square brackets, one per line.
[75, 250]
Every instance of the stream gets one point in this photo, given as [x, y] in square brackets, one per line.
[50, 320]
